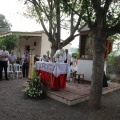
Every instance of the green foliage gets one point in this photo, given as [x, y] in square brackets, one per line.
[4, 25]
[35, 74]
[9, 41]
[108, 76]
[75, 54]
[53, 16]
[111, 58]
[35, 87]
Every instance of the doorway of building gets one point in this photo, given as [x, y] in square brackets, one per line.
[27, 48]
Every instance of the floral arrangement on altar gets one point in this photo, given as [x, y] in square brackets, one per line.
[35, 87]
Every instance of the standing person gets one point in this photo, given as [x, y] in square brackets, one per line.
[4, 55]
[25, 64]
[12, 60]
[68, 61]
[105, 84]
[60, 55]
[68, 57]
[40, 58]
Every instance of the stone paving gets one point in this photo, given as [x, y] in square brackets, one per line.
[75, 93]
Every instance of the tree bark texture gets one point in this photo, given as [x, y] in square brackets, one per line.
[53, 50]
[97, 71]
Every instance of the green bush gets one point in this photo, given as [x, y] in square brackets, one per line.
[108, 76]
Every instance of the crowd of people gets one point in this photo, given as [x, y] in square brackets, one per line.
[10, 58]
[61, 56]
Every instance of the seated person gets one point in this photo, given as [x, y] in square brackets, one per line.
[44, 58]
[48, 59]
[73, 60]
[36, 58]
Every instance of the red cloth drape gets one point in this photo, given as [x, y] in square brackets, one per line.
[108, 48]
[51, 81]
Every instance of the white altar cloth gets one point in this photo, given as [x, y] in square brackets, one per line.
[55, 68]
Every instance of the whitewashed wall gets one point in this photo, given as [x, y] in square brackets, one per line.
[85, 67]
[42, 45]
[23, 42]
[45, 45]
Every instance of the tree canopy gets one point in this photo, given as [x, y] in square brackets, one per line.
[4, 25]
[103, 19]
[9, 41]
[51, 15]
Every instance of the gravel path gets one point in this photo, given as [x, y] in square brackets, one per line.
[13, 106]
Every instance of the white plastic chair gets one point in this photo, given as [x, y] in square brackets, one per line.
[18, 70]
[9, 70]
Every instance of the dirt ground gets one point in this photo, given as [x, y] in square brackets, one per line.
[13, 106]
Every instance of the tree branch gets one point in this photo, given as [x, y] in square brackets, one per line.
[106, 6]
[71, 7]
[113, 30]
[96, 5]
[76, 27]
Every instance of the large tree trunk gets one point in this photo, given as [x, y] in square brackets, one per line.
[53, 49]
[97, 71]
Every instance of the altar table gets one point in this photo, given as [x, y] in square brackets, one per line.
[53, 74]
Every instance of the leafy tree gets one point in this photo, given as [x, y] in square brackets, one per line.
[103, 19]
[50, 14]
[9, 41]
[4, 25]
[76, 53]
[115, 52]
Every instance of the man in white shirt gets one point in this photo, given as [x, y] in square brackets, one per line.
[4, 55]
[12, 57]
[68, 61]
[68, 57]
[60, 55]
